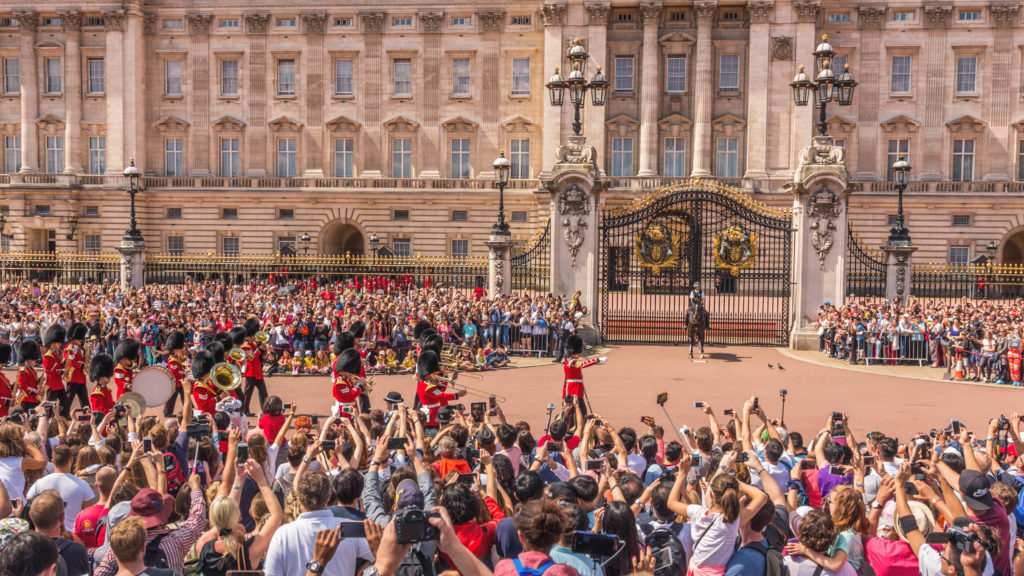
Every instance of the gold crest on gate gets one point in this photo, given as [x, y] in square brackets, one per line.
[657, 247]
[735, 249]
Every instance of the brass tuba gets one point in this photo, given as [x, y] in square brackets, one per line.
[262, 337]
[238, 355]
[226, 376]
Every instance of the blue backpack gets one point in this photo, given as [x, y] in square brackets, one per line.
[524, 571]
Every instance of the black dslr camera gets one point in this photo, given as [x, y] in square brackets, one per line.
[198, 430]
[412, 525]
[963, 539]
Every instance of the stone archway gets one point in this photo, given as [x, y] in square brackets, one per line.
[340, 237]
[1011, 251]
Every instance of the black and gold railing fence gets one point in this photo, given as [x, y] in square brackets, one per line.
[531, 263]
[954, 282]
[388, 272]
[865, 268]
[64, 268]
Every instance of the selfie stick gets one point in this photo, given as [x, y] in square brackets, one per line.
[665, 410]
[782, 418]
[195, 459]
[548, 427]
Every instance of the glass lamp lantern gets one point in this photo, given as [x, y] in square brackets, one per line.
[556, 88]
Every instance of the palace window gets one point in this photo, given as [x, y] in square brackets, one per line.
[229, 24]
[900, 75]
[173, 165]
[344, 158]
[97, 154]
[623, 74]
[966, 74]
[961, 220]
[462, 21]
[401, 158]
[959, 254]
[520, 76]
[675, 157]
[402, 22]
[175, 244]
[343, 77]
[229, 78]
[96, 75]
[622, 157]
[728, 162]
[93, 243]
[460, 77]
[344, 22]
[286, 244]
[54, 154]
[968, 15]
[12, 154]
[675, 74]
[839, 18]
[286, 22]
[172, 25]
[400, 215]
[460, 249]
[174, 213]
[92, 211]
[903, 16]
[1020, 159]
[12, 76]
[53, 76]
[403, 77]
[524, 20]
[229, 213]
[229, 245]
[896, 147]
[286, 149]
[520, 158]
[460, 158]
[402, 247]
[963, 160]
[519, 216]
[460, 216]
[229, 157]
[172, 78]
[729, 73]
[286, 214]
[286, 77]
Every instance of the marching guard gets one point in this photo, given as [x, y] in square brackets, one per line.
[125, 356]
[345, 391]
[6, 393]
[175, 347]
[53, 367]
[573, 385]
[28, 380]
[75, 367]
[253, 371]
[101, 370]
[204, 394]
[430, 391]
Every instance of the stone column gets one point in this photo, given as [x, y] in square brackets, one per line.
[820, 198]
[807, 38]
[1001, 147]
[650, 91]
[133, 260]
[489, 133]
[72, 20]
[554, 52]
[115, 71]
[703, 87]
[372, 145]
[597, 47]
[256, 143]
[313, 55]
[758, 88]
[499, 276]
[430, 135]
[933, 133]
[898, 267]
[27, 21]
[869, 97]
[199, 96]
[575, 186]
[135, 64]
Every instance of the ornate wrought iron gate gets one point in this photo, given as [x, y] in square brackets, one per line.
[531, 263]
[654, 249]
[865, 268]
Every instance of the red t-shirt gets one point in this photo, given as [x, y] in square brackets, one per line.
[570, 443]
[271, 425]
[87, 527]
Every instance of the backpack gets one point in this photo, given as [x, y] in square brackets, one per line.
[659, 539]
[774, 565]
[524, 571]
[415, 563]
[154, 556]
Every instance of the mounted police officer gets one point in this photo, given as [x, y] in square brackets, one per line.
[696, 298]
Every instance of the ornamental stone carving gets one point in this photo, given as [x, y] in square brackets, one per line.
[650, 13]
[705, 11]
[782, 48]
[1004, 14]
[373, 22]
[72, 20]
[552, 14]
[499, 266]
[573, 153]
[113, 20]
[431, 21]
[574, 236]
[760, 11]
[199, 24]
[491, 21]
[871, 16]
[149, 24]
[807, 10]
[901, 274]
[573, 201]
[822, 155]
[313, 23]
[938, 16]
[824, 209]
[256, 23]
[28, 20]
[598, 13]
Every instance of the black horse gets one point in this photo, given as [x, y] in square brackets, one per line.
[696, 325]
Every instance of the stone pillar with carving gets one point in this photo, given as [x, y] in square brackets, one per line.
[27, 22]
[759, 86]
[499, 261]
[704, 87]
[650, 90]
[937, 19]
[597, 47]
[553, 15]
[133, 260]
[1000, 144]
[114, 71]
[898, 265]
[820, 197]
[804, 43]
[491, 23]
[72, 21]
[371, 141]
[313, 34]
[199, 98]
[871, 20]
[575, 186]
[256, 144]
[430, 135]
[135, 66]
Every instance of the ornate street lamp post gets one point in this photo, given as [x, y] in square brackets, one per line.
[374, 244]
[826, 87]
[502, 171]
[899, 235]
[577, 84]
[3, 226]
[132, 176]
[305, 239]
[72, 222]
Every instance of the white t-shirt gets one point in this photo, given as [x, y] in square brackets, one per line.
[714, 539]
[13, 477]
[71, 488]
[802, 566]
[779, 472]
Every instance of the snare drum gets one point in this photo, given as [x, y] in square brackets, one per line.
[155, 384]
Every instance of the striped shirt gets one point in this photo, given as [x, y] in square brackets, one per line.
[175, 544]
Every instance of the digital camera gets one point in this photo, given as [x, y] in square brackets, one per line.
[412, 525]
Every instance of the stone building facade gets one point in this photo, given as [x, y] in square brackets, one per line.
[256, 122]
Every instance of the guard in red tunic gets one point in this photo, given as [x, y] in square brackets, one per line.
[175, 346]
[101, 370]
[573, 385]
[204, 394]
[28, 380]
[431, 392]
[74, 367]
[253, 371]
[345, 390]
[358, 329]
[125, 356]
[53, 366]
[6, 393]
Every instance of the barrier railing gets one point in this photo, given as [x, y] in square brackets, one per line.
[66, 268]
[942, 281]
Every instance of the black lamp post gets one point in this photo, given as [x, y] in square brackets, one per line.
[305, 243]
[899, 235]
[72, 222]
[825, 84]
[132, 176]
[502, 171]
[992, 249]
[577, 84]
[374, 244]
[3, 226]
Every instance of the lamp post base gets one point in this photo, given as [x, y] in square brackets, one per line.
[133, 261]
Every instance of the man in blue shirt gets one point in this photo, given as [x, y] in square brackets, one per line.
[751, 558]
[562, 552]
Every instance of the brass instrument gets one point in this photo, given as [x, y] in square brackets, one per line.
[454, 366]
[135, 400]
[262, 337]
[471, 390]
[365, 383]
[238, 355]
[226, 377]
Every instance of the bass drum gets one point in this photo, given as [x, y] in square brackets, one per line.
[155, 384]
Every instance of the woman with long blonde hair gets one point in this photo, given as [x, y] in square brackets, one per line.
[17, 457]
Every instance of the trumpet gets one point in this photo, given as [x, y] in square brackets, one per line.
[471, 390]
[226, 377]
[262, 337]
[365, 383]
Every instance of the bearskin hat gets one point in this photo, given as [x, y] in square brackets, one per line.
[574, 345]
[348, 361]
[101, 366]
[77, 331]
[202, 363]
[127, 348]
[5, 353]
[422, 325]
[237, 336]
[175, 341]
[225, 339]
[357, 329]
[427, 364]
[252, 326]
[29, 350]
[216, 349]
[55, 333]
[426, 334]
[344, 341]
[433, 342]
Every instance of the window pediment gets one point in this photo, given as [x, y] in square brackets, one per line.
[285, 124]
[401, 124]
[459, 124]
[50, 120]
[901, 123]
[966, 123]
[840, 124]
[1018, 125]
[343, 124]
[519, 124]
[228, 124]
[728, 121]
[677, 38]
[172, 124]
[675, 120]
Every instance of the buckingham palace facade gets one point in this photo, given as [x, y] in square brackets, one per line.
[255, 123]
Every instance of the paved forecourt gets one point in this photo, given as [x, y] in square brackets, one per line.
[625, 388]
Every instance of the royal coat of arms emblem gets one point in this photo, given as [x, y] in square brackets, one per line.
[657, 247]
[735, 249]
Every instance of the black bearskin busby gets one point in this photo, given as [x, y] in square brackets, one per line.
[77, 331]
[433, 342]
[101, 366]
[175, 341]
[574, 345]
[202, 363]
[29, 350]
[357, 329]
[127, 348]
[216, 349]
[252, 326]
[427, 364]
[225, 339]
[348, 361]
[237, 336]
[55, 333]
[417, 331]
[343, 341]
[5, 353]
